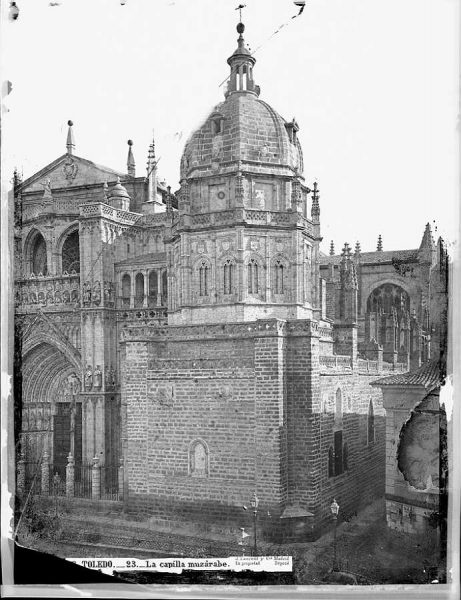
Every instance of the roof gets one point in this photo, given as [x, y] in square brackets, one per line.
[153, 257]
[252, 131]
[427, 376]
[376, 257]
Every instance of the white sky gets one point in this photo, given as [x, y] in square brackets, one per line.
[372, 83]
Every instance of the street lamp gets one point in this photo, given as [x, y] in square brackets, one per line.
[254, 506]
[334, 507]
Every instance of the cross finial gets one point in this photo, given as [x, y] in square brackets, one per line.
[239, 8]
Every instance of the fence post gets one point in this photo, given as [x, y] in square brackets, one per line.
[21, 476]
[96, 479]
[45, 474]
[70, 476]
[121, 478]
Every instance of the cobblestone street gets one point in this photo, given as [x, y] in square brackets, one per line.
[366, 548]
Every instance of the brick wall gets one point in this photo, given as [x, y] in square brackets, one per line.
[364, 478]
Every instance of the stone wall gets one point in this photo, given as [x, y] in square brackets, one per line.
[363, 480]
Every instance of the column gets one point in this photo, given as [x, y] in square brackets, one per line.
[70, 476]
[146, 288]
[45, 474]
[132, 283]
[21, 475]
[96, 479]
[159, 287]
[121, 479]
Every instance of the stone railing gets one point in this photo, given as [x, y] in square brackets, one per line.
[157, 315]
[367, 366]
[334, 362]
[48, 291]
[158, 219]
[99, 209]
[252, 216]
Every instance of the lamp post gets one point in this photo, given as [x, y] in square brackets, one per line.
[334, 507]
[254, 506]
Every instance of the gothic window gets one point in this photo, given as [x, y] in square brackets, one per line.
[331, 462]
[339, 459]
[198, 459]
[279, 277]
[164, 286]
[371, 424]
[338, 410]
[345, 457]
[389, 296]
[38, 256]
[139, 290]
[153, 288]
[126, 290]
[339, 463]
[204, 279]
[71, 253]
[253, 277]
[229, 277]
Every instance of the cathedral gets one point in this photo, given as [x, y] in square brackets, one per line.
[188, 353]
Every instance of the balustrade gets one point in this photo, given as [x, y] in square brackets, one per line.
[45, 291]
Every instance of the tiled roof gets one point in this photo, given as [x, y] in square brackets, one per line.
[153, 257]
[372, 258]
[427, 376]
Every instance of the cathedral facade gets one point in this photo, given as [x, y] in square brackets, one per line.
[197, 348]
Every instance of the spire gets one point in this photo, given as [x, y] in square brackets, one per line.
[241, 63]
[427, 241]
[315, 210]
[70, 138]
[152, 172]
[332, 248]
[379, 247]
[130, 164]
[358, 249]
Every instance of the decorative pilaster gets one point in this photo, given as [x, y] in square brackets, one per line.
[45, 474]
[21, 475]
[70, 476]
[96, 479]
[121, 479]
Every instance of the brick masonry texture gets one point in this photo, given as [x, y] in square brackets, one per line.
[265, 414]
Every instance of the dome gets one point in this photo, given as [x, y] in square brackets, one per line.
[243, 128]
[118, 191]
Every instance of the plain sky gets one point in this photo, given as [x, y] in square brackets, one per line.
[373, 85]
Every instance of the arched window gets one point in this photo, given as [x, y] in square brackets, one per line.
[164, 287]
[71, 253]
[139, 290]
[38, 256]
[153, 288]
[253, 277]
[345, 457]
[338, 409]
[204, 279]
[331, 462]
[338, 433]
[126, 290]
[198, 459]
[228, 277]
[279, 277]
[371, 423]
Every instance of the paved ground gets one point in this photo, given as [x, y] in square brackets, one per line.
[365, 547]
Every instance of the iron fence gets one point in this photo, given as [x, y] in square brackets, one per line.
[83, 480]
[109, 482]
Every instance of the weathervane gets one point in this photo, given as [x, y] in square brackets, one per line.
[239, 8]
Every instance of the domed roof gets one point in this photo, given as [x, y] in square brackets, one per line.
[118, 191]
[243, 128]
